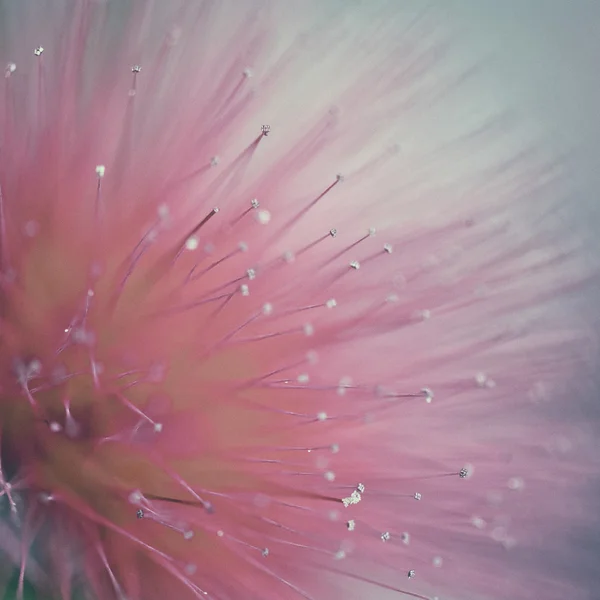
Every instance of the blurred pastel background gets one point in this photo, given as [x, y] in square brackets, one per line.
[540, 61]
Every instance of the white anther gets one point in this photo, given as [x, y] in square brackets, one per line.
[72, 428]
[372, 231]
[499, 534]
[244, 290]
[312, 357]
[343, 385]
[267, 309]
[11, 67]
[331, 303]
[247, 73]
[263, 216]
[417, 496]
[429, 396]
[388, 248]
[355, 265]
[82, 336]
[480, 379]
[39, 51]
[467, 471]
[303, 378]
[329, 476]
[31, 228]
[243, 247]
[162, 210]
[516, 483]
[308, 329]
[351, 525]
[158, 427]
[214, 161]
[191, 243]
[34, 368]
[135, 497]
[136, 69]
[354, 498]
[251, 274]
[322, 416]
[100, 170]
[405, 537]
[385, 536]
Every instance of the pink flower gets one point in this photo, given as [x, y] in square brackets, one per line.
[231, 372]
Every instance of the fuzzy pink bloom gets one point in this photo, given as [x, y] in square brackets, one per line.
[229, 372]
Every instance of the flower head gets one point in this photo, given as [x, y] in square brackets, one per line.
[252, 347]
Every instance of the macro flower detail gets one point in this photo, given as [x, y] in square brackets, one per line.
[252, 345]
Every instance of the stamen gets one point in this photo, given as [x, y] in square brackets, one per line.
[330, 234]
[25, 372]
[386, 250]
[100, 171]
[148, 512]
[72, 428]
[339, 254]
[307, 329]
[307, 208]
[311, 358]
[254, 204]
[330, 303]
[379, 584]
[266, 310]
[183, 244]
[11, 67]
[135, 70]
[117, 587]
[134, 408]
[3, 239]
